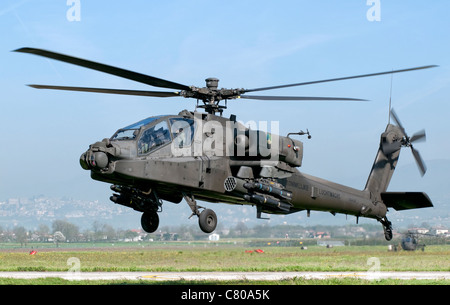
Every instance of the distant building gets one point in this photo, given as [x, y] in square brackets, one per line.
[322, 235]
[441, 231]
[419, 230]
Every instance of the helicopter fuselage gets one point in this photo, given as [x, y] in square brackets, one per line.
[214, 159]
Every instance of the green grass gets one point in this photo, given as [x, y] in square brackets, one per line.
[295, 281]
[209, 257]
[204, 257]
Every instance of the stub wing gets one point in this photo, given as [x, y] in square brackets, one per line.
[406, 200]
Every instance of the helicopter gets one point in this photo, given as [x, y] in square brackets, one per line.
[410, 242]
[196, 155]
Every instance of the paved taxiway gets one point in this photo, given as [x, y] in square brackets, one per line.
[224, 276]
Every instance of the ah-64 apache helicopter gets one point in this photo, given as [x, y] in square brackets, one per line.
[203, 156]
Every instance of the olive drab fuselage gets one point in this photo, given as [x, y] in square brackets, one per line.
[220, 160]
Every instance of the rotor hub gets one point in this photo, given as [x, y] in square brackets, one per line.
[212, 83]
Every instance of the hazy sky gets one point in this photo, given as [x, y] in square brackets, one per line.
[246, 44]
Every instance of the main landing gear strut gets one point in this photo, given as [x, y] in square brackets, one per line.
[150, 204]
[207, 219]
[387, 227]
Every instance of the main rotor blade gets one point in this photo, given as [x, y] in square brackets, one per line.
[419, 161]
[138, 77]
[340, 78]
[297, 98]
[110, 91]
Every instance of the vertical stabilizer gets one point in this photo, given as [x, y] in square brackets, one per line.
[385, 161]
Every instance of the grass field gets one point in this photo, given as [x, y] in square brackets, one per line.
[179, 256]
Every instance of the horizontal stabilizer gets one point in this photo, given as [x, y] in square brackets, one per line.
[406, 200]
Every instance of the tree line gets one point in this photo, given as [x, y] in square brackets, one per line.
[65, 231]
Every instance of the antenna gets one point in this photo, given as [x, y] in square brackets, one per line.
[390, 100]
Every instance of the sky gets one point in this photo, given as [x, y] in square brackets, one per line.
[246, 44]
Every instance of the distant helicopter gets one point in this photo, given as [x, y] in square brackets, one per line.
[411, 243]
[202, 156]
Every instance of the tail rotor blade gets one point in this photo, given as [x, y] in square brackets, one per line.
[419, 161]
[418, 137]
[407, 142]
[397, 121]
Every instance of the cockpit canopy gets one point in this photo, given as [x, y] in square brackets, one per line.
[218, 138]
[157, 131]
[130, 132]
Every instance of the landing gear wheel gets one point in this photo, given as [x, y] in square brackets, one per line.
[207, 221]
[150, 221]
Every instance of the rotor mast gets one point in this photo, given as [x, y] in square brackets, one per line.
[211, 96]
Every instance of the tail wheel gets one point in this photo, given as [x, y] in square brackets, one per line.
[387, 227]
[150, 221]
[207, 221]
[387, 233]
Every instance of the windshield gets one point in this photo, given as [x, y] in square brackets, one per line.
[153, 138]
[130, 132]
[182, 131]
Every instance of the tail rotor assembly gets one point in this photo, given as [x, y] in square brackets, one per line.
[406, 141]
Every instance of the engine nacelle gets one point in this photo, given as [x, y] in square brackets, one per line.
[291, 151]
[264, 145]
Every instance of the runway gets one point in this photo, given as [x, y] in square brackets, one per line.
[225, 276]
